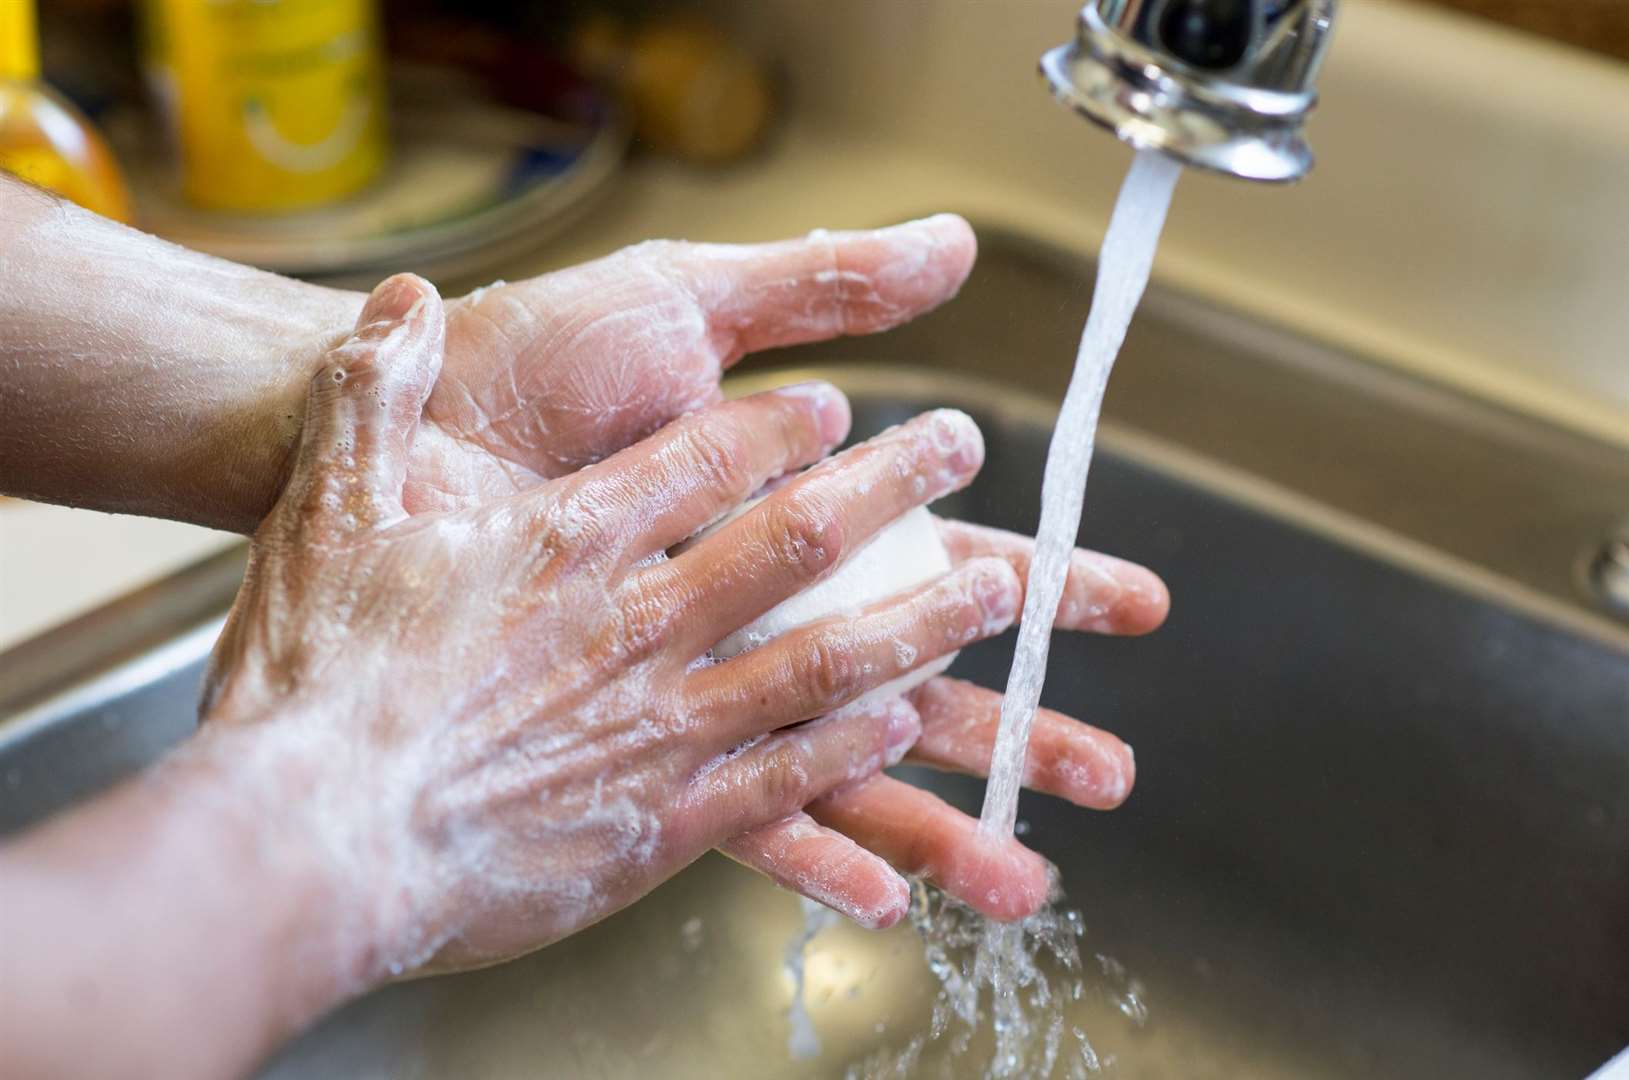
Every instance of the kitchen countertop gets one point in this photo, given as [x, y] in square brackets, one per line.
[56, 562]
[1462, 224]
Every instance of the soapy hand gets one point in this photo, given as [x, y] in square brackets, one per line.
[492, 725]
[844, 848]
[547, 375]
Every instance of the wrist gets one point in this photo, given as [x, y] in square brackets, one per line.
[196, 870]
[283, 812]
[145, 378]
[260, 442]
[331, 815]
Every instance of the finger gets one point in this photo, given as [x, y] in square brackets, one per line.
[1066, 758]
[703, 465]
[800, 532]
[563, 370]
[1102, 595]
[809, 859]
[812, 669]
[363, 411]
[922, 835]
[776, 775]
[827, 284]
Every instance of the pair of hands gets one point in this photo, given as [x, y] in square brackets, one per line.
[486, 677]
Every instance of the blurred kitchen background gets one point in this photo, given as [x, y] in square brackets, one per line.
[1467, 221]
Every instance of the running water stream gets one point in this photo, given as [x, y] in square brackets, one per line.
[1122, 275]
[1033, 969]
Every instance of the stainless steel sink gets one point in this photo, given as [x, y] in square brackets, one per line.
[1381, 825]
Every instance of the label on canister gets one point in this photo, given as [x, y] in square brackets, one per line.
[273, 104]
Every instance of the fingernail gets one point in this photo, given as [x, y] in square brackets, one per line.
[931, 223]
[996, 589]
[1125, 775]
[831, 408]
[890, 911]
[878, 916]
[392, 301]
[958, 438]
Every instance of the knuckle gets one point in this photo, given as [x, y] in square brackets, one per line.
[541, 557]
[829, 675]
[721, 450]
[783, 783]
[645, 626]
[577, 523]
[806, 532]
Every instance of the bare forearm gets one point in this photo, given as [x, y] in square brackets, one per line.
[140, 377]
[166, 930]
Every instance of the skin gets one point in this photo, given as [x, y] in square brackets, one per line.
[168, 383]
[440, 823]
[146, 378]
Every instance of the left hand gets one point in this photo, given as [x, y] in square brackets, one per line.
[547, 375]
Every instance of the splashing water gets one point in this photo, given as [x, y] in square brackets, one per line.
[1034, 985]
[1032, 968]
[803, 1042]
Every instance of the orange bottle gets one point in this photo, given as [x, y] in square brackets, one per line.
[43, 138]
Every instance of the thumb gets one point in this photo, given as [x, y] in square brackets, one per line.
[363, 411]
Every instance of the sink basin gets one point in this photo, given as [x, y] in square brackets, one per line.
[1382, 810]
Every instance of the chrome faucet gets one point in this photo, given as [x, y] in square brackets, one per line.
[1222, 84]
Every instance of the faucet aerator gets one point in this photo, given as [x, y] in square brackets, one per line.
[1224, 85]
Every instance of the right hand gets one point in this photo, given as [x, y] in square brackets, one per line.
[493, 721]
[547, 375]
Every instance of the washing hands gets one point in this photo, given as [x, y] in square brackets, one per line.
[462, 706]
[547, 375]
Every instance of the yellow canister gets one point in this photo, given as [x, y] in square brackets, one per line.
[273, 104]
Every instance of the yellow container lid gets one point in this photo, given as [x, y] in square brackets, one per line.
[19, 41]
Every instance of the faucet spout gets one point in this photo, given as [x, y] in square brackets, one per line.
[1225, 85]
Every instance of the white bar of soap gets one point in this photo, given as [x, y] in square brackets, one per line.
[905, 553]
